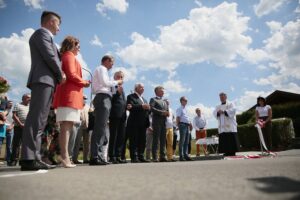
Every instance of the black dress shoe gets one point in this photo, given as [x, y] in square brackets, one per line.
[113, 161]
[172, 160]
[107, 162]
[86, 161]
[121, 161]
[155, 160]
[163, 160]
[143, 160]
[33, 165]
[97, 162]
[135, 160]
[188, 159]
[181, 159]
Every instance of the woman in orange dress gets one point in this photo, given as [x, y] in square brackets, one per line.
[68, 98]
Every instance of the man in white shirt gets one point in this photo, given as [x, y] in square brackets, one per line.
[199, 123]
[101, 86]
[184, 125]
[225, 114]
[20, 112]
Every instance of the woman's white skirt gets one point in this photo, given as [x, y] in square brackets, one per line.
[67, 114]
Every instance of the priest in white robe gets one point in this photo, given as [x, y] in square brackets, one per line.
[227, 126]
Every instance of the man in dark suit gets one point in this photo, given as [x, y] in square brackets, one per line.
[137, 123]
[160, 112]
[117, 120]
[44, 75]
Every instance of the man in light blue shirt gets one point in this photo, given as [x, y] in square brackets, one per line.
[184, 124]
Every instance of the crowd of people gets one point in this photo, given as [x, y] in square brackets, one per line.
[51, 122]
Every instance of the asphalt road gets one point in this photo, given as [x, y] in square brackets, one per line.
[265, 178]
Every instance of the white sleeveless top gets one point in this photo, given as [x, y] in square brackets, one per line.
[263, 110]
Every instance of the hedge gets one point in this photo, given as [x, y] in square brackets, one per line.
[289, 110]
[282, 134]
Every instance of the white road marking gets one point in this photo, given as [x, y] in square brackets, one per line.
[41, 171]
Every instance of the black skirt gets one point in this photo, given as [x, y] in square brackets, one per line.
[228, 143]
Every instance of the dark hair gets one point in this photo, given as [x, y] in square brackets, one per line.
[106, 57]
[69, 44]
[26, 95]
[158, 88]
[182, 99]
[261, 98]
[47, 15]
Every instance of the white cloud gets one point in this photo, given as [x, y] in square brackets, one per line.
[116, 5]
[274, 26]
[248, 99]
[96, 41]
[15, 59]
[261, 67]
[214, 35]
[264, 7]
[255, 55]
[2, 4]
[35, 4]
[175, 87]
[291, 87]
[283, 48]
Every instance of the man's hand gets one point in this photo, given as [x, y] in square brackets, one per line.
[120, 82]
[146, 106]
[220, 112]
[166, 113]
[190, 127]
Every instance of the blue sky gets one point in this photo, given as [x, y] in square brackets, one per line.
[193, 48]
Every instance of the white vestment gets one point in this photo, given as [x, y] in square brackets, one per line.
[226, 123]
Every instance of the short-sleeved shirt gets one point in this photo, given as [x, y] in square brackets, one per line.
[182, 113]
[21, 111]
[263, 111]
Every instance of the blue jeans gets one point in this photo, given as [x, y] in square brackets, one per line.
[9, 136]
[183, 140]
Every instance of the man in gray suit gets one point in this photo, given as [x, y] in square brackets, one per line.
[45, 74]
[160, 112]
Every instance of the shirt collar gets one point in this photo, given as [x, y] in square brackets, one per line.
[140, 96]
[52, 36]
[158, 97]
